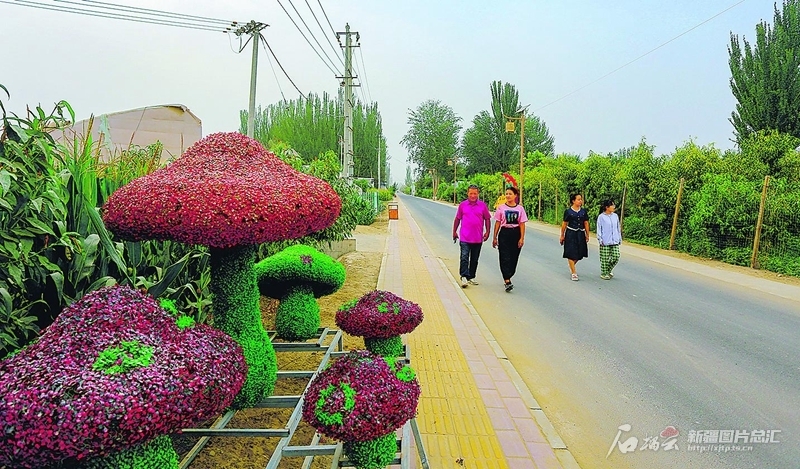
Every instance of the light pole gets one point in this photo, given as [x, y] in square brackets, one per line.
[510, 129]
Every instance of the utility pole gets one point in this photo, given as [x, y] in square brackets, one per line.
[510, 129]
[252, 28]
[379, 166]
[347, 166]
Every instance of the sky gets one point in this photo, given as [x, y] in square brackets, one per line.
[412, 51]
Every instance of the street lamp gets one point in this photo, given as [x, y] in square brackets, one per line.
[454, 163]
[510, 129]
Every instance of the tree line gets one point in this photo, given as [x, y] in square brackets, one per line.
[721, 189]
[314, 126]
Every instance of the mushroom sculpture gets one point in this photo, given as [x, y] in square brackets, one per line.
[229, 193]
[297, 276]
[380, 317]
[362, 399]
[108, 380]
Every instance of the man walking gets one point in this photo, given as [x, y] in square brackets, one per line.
[475, 220]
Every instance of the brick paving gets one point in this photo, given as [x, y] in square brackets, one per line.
[473, 411]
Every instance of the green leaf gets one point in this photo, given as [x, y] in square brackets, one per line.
[108, 245]
[134, 250]
[169, 276]
[58, 281]
[26, 244]
[7, 303]
[5, 181]
[100, 283]
[16, 275]
[45, 262]
[40, 227]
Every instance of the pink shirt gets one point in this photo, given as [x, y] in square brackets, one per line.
[510, 217]
[473, 216]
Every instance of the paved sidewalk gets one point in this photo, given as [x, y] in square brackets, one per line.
[475, 411]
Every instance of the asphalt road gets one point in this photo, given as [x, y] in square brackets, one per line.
[657, 346]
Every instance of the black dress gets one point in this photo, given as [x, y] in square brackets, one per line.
[575, 246]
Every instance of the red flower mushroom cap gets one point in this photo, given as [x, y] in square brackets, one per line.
[379, 314]
[226, 190]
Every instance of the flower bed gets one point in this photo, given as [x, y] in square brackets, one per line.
[361, 399]
[112, 372]
[380, 317]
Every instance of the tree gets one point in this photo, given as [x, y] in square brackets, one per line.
[505, 102]
[313, 126]
[488, 148]
[432, 137]
[537, 136]
[764, 77]
[479, 147]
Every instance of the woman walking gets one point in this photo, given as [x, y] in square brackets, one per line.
[609, 236]
[575, 233]
[509, 234]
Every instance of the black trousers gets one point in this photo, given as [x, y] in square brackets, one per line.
[469, 259]
[508, 246]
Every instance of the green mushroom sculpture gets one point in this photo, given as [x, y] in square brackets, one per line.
[297, 276]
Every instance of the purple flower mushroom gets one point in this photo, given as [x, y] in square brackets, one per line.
[114, 372]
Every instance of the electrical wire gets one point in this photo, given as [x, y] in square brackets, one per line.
[201, 23]
[281, 66]
[364, 69]
[324, 34]
[98, 14]
[313, 36]
[333, 70]
[269, 59]
[641, 56]
[160, 12]
[326, 18]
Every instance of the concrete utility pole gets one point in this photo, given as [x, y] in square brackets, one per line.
[347, 162]
[252, 28]
[379, 165]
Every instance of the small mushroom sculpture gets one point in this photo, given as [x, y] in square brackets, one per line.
[108, 380]
[297, 276]
[380, 317]
[361, 399]
[229, 193]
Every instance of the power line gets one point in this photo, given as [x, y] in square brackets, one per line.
[115, 16]
[641, 56]
[113, 6]
[358, 75]
[311, 33]
[326, 18]
[333, 70]
[281, 66]
[364, 69]
[275, 74]
[324, 34]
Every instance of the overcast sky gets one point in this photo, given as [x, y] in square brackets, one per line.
[412, 51]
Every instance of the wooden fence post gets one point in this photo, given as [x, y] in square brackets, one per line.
[757, 236]
[539, 215]
[622, 208]
[675, 218]
[555, 208]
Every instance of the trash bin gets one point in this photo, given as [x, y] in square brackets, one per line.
[393, 211]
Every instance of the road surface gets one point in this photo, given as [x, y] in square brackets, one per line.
[655, 347]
